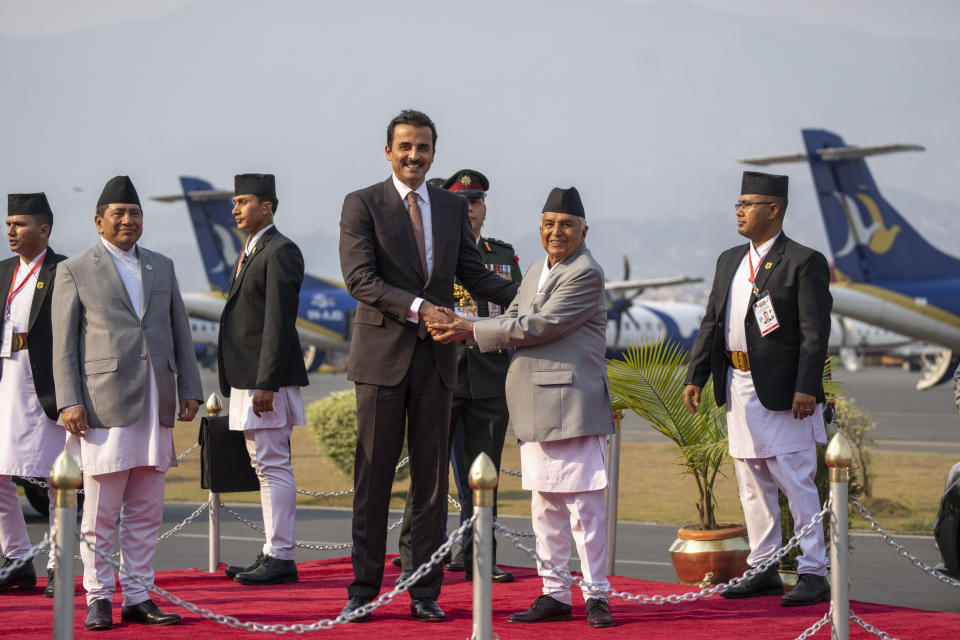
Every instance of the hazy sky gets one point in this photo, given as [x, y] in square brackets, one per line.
[644, 106]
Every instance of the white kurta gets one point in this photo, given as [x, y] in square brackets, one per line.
[755, 431]
[29, 440]
[145, 443]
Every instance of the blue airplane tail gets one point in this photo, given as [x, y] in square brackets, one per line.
[870, 240]
[217, 235]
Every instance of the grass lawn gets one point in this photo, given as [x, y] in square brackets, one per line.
[907, 486]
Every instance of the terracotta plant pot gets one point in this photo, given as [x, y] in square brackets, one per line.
[710, 557]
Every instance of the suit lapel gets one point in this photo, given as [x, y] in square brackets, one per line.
[44, 279]
[258, 249]
[146, 277]
[398, 221]
[773, 257]
[104, 265]
[438, 229]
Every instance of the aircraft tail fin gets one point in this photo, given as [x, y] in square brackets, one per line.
[870, 240]
[216, 230]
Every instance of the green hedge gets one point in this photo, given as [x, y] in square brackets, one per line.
[333, 423]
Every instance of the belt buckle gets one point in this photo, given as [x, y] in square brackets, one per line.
[17, 342]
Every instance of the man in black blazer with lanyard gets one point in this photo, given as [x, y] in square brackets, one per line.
[261, 369]
[30, 438]
[764, 340]
[401, 244]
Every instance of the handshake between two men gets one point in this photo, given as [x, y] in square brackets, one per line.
[444, 325]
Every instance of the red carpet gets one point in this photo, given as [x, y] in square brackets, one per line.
[321, 593]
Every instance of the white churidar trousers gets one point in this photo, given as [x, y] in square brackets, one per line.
[758, 480]
[14, 541]
[555, 517]
[269, 451]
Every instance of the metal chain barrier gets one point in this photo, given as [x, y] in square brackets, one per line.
[301, 545]
[675, 598]
[902, 550]
[347, 492]
[325, 624]
[810, 631]
[18, 563]
[869, 628]
[515, 532]
[511, 472]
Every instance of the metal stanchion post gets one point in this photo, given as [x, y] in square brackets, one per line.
[65, 477]
[483, 481]
[839, 458]
[613, 494]
[214, 407]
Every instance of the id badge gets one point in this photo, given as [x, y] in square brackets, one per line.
[465, 312]
[766, 316]
[493, 309]
[6, 349]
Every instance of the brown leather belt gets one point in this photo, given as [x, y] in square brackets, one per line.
[19, 342]
[739, 359]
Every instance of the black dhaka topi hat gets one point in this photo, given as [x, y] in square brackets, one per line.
[565, 201]
[259, 184]
[764, 184]
[119, 190]
[28, 204]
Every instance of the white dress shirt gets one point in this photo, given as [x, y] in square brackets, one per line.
[29, 440]
[424, 199]
[755, 431]
[563, 466]
[145, 443]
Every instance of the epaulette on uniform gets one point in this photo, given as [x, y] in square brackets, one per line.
[502, 243]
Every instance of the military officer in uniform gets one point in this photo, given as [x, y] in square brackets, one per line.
[479, 410]
[30, 438]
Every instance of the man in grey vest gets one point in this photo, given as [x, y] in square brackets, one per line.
[559, 401]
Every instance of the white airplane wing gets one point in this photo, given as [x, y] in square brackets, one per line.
[649, 283]
[835, 154]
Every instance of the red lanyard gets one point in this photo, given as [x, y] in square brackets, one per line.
[753, 272]
[13, 292]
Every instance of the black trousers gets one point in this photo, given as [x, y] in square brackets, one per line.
[423, 403]
[485, 427]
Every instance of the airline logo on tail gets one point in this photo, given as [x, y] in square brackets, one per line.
[877, 237]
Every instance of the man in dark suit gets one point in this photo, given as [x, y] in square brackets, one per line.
[30, 438]
[401, 244]
[764, 340]
[261, 369]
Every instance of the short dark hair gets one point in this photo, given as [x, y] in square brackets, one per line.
[262, 197]
[44, 219]
[414, 119]
[780, 201]
[101, 208]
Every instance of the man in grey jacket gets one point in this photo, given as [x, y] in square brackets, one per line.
[559, 402]
[124, 355]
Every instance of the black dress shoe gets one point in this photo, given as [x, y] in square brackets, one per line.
[273, 571]
[23, 578]
[397, 562]
[598, 613]
[354, 603]
[543, 609]
[810, 589]
[497, 575]
[426, 610]
[767, 583]
[49, 590]
[403, 576]
[232, 570]
[456, 564]
[99, 616]
[147, 612]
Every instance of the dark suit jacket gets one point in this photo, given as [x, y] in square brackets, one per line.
[258, 347]
[39, 331]
[381, 269]
[789, 359]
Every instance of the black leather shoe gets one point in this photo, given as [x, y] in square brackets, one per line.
[456, 564]
[234, 569]
[543, 609]
[273, 571]
[354, 603]
[497, 575]
[49, 590]
[403, 576]
[810, 589]
[147, 612]
[99, 616]
[767, 583]
[426, 610]
[598, 613]
[23, 578]
[397, 562]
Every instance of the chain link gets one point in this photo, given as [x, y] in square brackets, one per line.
[18, 563]
[346, 492]
[325, 624]
[810, 631]
[869, 628]
[690, 596]
[902, 550]
[511, 472]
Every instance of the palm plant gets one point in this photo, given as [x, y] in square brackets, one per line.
[649, 381]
